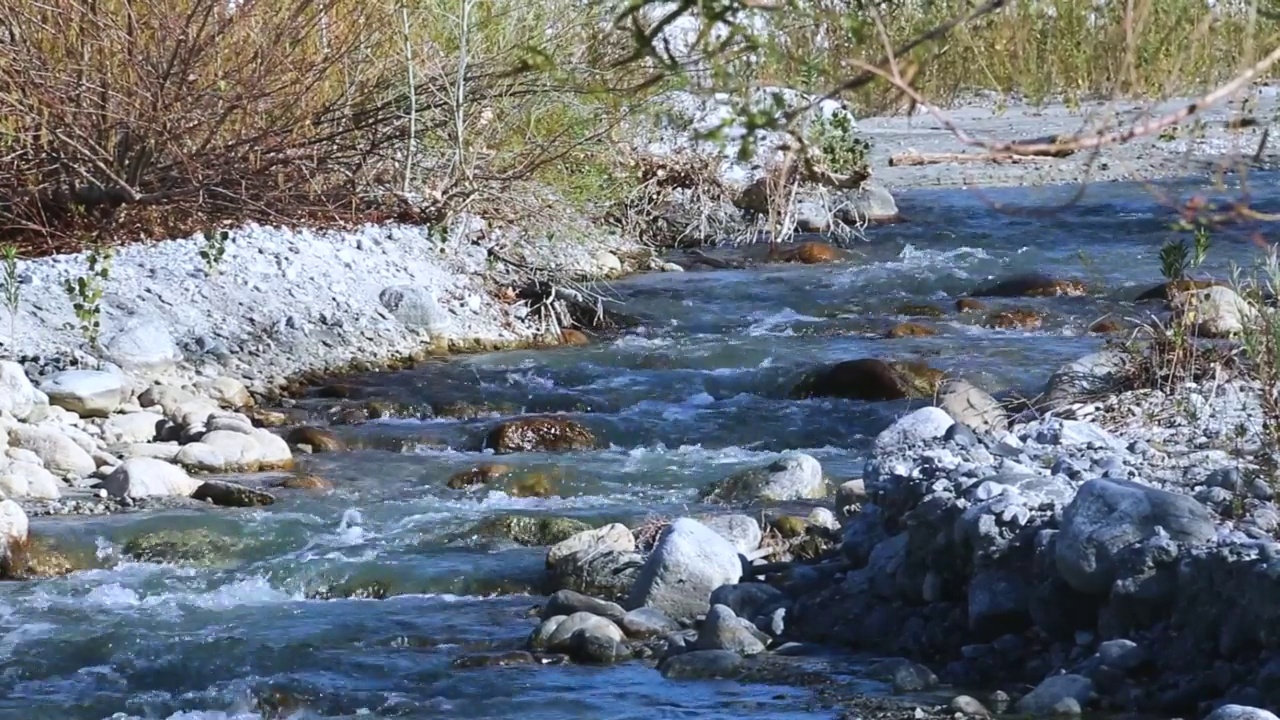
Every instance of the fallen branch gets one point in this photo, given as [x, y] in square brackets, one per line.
[912, 158]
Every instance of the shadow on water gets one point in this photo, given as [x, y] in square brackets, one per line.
[242, 623]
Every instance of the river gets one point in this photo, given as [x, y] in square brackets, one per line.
[699, 390]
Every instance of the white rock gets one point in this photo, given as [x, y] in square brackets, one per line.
[1215, 312]
[167, 397]
[17, 395]
[614, 537]
[14, 526]
[142, 477]
[1240, 712]
[972, 406]
[273, 451]
[227, 392]
[28, 480]
[23, 455]
[137, 427]
[230, 424]
[1057, 695]
[921, 426]
[87, 393]
[59, 453]
[608, 264]
[146, 347]
[823, 518]
[200, 457]
[160, 451]
[688, 563]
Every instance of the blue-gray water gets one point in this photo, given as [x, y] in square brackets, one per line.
[698, 391]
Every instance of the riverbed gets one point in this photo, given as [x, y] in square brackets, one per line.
[360, 602]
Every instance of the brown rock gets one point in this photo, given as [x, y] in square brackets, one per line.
[305, 482]
[1033, 285]
[478, 475]
[813, 253]
[966, 304]
[336, 391]
[540, 434]
[37, 558]
[923, 310]
[319, 439]
[262, 417]
[1168, 290]
[462, 410]
[1106, 325]
[1014, 320]
[570, 336]
[229, 494]
[871, 379]
[909, 329]
[534, 484]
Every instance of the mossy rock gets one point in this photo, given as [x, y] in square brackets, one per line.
[541, 434]
[872, 380]
[194, 546]
[478, 475]
[530, 531]
[789, 526]
[352, 589]
[920, 310]
[536, 483]
[41, 558]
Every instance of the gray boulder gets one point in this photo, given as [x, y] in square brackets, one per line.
[741, 530]
[58, 453]
[973, 407]
[1094, 375]
[794, 476]
[130, 428]
[1241, 712]
[17, 395]
[747, 599]
[146, 347]
[688, 563]
[560, 638]
[1108, 516]
[724, 630]
[141, 477]
[646, 622]
[916, 428]
[1057, 695]
[28, 480]
[702, 665]
[416, 308]
[904, 675]
[87, 393]
[569, 602]
[601, 563]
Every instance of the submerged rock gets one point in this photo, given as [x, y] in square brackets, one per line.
[229, 494]
[910, 329]
[1033, 285]
[1017, 319]
[529, 530]
[478, 475]
[794, 476]
[38, 558]
[870, 379]
[702, 665]
[688, 563]
[196, 546]
[540, 434]
[304, 482]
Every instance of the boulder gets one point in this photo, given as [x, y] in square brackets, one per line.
[850, 495]
[560, 638]
[1057, 695]
[228, 451]
[916, 428]
[688, 563]
[702, 665]
[146, 347]
[166, 397]
[17, 395]
[530, 530]
[973, 407]
[229, 494]
[595, 648]
[741, 530]
[14, 525]
[541, 635]
[196, 546]
[1092, 376]
[903, 675]
[227, 392]
[1016, 319]
[541, 434]
[58, 453]
[142, 477]
[645, 623]
[870, 379]
[601, 563]
[417, 308]
[724, 630]
[130, 428]
[232, 423]
[160, 451]
[318, 439]
[1032, 285]
[968, 706]
[1240, 712]
[794, 476]
[568, 602]
[747, 599]
[909, 329]
[1214, 312]
[1109, 516]
[28, 480]
[273, 451]
[482, 474]
[87, 393]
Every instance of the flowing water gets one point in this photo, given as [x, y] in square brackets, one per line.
[696, 392]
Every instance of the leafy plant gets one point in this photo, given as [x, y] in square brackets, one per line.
[1177, 258]
[86, 291]
[10, 288]
[837, 141]
[215, 247]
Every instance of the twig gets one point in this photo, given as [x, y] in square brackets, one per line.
[912, 158]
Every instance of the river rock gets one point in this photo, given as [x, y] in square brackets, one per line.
[559, 639]
[87, 393]
[850, 495]
[966, 705]
[17, 395]
[160, 451]
[688, 563]
[741, 530]
[747, 599]
[645, 623]
[28, 480]
[602, 563]
[593, 648]
[232, 422]
[417, 308]
[794, 476]
[568, 602]
[1057, 695]
[905, 676]
[135, 427]
[702, 665]
[916, 428]
[226, 451]
[147, 346]
[1108, 516]
[227, 392]
[1121, 654]
[870, 379]
[724, 630]
[1091, 376]
[1240, 712]
[1032, 285]
[229, 494]
[196, 546]
[14, 529]
[58, 453]
[541, 635]
[166, 397]
[318, 439]
[530, 530]
[142, 477]
[972, 406]
[540, 434]
[1214, 312]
